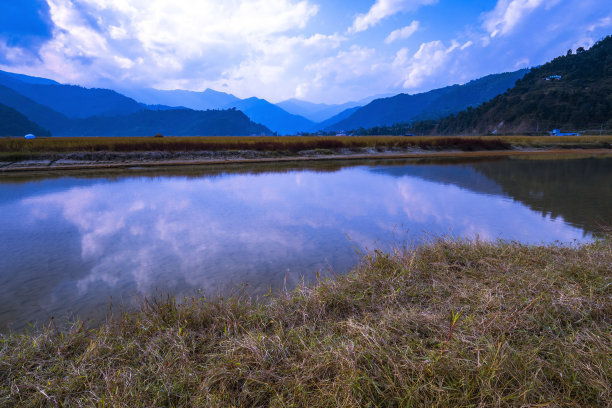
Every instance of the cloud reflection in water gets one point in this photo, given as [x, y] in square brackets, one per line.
[175, 234]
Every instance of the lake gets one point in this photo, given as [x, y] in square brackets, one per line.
[73, 243]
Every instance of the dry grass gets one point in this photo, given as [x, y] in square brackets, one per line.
[451, 324]
[287, 144]
[17, 149]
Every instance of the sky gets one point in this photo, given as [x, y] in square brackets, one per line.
[320, 51]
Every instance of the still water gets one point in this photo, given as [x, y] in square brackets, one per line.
[72, 244]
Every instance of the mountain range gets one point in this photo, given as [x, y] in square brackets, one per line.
[428, 105]
[69, 110]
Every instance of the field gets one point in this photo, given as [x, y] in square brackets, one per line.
[13, 147]
[447, 324]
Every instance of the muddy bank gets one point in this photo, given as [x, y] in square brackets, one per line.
[103, 160]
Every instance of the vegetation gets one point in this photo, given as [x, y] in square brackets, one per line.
[281, 144]
[451, 323]
[13, 123]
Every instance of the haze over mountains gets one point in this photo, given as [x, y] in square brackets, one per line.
[68, 110]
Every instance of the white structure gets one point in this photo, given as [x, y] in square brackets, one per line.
[30, 136]
[557, 132]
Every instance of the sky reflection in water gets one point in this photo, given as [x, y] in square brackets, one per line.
[69, 245]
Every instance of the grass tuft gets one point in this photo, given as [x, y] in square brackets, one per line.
[449, 324]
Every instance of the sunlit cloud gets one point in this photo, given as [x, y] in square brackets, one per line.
[383, 9]
[402, 33]
[509, 13]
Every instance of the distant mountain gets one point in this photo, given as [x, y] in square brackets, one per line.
[319, 112]
[270, 115]
[13, 123]
[316, 112]
[70, 100]
[571, 92]
[175, 122]
[43, 115]
[329, 123]
[428, 105]
[259, 110]
[208, 99]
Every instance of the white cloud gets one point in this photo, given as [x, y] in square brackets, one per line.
[166, 43]
[403, 33]
[276, 50]
[603, 22]
[507, 14]
[344, 74]
[383, 9]
[431, 58]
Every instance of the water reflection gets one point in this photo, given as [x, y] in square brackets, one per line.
[71, 243]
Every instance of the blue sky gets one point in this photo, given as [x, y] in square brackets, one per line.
[332, 51]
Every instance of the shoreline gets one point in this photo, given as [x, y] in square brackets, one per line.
[250, 157]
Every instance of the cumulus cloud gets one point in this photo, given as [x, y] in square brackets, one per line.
[345, 73]
[188, 42]
[402, 33]
[383, 9]
[507, 14]
[431, 58]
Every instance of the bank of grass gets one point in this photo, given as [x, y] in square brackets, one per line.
[287, 144]
[451, 324]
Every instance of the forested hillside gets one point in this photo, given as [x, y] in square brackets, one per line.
[13, 123]
[176, 122]
[571, 93]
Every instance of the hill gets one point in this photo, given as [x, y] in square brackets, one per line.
[43, 115]
[13, 123]
[70, 100]
[175, 122]
[571, 92]
[428, 105]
